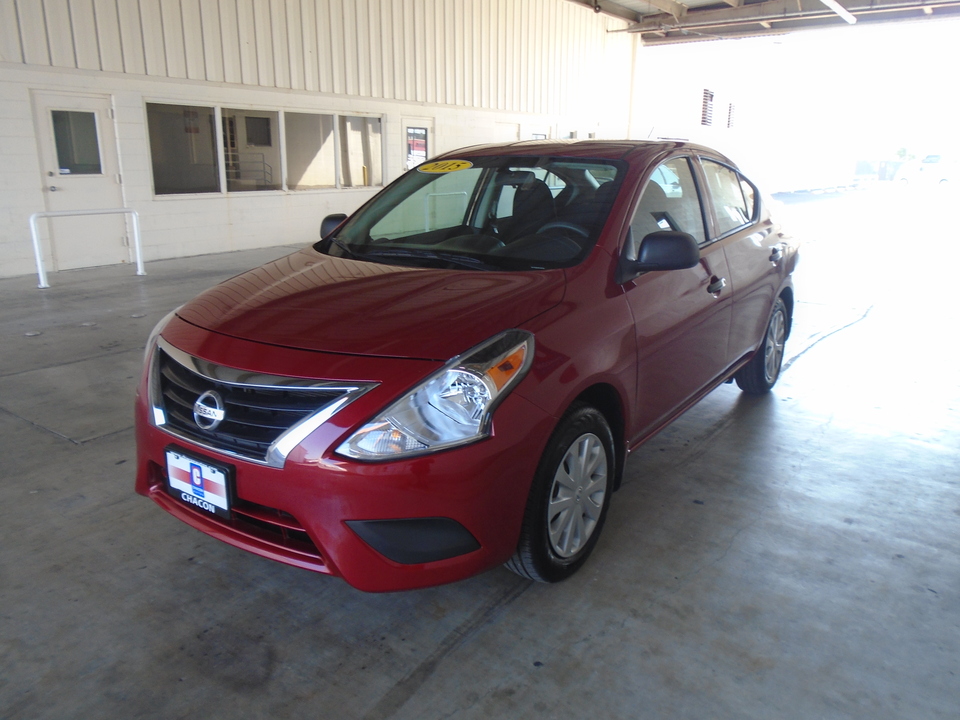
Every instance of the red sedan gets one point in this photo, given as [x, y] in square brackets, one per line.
[453, 377]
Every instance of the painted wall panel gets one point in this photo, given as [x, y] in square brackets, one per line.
[154, 53]
[107, 31]
[131, 38]
[311, 48]
[294, 39]
[351, 55]
[174, 42]
[263, 32]
[335, 32]
[59, 33]
[230, 41]
[10, 48]
[512, 55]
[84, 30]
[324, 56]
[386, 47]
[248, 42]
[213, 44]
[279, 44]
[193, 40]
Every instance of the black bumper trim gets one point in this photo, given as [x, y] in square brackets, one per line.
[416, 540]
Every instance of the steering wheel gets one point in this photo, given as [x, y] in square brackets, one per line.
[564, 225]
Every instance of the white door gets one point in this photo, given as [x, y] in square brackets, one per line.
[78, 157]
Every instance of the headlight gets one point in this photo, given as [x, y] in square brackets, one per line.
[451, 407]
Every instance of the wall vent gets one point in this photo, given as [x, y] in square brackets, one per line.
[706, 110]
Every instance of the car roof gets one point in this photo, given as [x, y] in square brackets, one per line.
[630, 150]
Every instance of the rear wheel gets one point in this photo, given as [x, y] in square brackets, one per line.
[569, 498]
[761, 373]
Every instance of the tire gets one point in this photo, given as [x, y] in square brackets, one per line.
[569, 498]
[760, 374]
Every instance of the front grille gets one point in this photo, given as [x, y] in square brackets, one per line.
[274, 526]
[257, 409]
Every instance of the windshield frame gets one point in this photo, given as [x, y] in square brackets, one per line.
[486, 240]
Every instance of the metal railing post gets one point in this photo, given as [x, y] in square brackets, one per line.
[35, 236]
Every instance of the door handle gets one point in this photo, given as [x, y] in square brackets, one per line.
[776, 255]
[716, 285]
[53, 188]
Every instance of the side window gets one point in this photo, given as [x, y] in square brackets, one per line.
[669, 202]
[750, 195]
[733, 209]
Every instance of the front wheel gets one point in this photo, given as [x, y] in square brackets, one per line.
[761, 373]
[569, 498]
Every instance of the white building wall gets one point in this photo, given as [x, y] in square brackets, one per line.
[477, 70]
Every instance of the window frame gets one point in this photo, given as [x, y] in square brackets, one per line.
[695, 173]
[714, 217]
[280, 113]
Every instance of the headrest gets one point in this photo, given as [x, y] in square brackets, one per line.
[515, 177]
[653, 195]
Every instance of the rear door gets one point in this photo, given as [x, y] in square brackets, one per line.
[682, 316]
[753, 249]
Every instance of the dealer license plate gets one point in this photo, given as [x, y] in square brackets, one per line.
[197, 483]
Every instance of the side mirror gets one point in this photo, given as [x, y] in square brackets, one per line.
[664, 250]
[331, 223]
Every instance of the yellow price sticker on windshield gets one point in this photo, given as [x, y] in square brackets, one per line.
[445, 166]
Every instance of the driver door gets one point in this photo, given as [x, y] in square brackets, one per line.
[682, 317]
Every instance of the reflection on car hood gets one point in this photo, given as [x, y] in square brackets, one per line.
[316, 302]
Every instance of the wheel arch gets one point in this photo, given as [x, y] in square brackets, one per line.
[787, 296]
[605, 398]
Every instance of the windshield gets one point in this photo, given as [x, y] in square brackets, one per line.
[490, 213]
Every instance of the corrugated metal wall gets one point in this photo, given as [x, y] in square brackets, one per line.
[512, 55]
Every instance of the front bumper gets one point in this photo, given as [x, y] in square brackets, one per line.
[381, 526]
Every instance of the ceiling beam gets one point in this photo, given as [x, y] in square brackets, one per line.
[841, 11]
[610, 8]
[670, 7]
[775, 11]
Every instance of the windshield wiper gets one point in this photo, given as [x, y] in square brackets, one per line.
[347, 250]
[453, 259]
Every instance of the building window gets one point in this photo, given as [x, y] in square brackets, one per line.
[311, 156]
[706, 108]
[416, 146]
[186, 159]
[730, 109]
[183, 149]
[75, 134]
[360, 151]
[258, 131]
[250, 152]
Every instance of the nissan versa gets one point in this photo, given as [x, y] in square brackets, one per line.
[453, 377]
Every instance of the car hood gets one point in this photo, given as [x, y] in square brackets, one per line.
[316, 302]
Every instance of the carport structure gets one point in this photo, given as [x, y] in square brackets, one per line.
[794, 556]
[666, 21]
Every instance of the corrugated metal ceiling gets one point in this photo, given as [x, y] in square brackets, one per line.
[671, 21]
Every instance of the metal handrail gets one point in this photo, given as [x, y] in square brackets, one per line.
[260, 166]
[42, 274]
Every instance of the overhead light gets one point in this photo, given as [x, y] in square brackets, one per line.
[839, 10]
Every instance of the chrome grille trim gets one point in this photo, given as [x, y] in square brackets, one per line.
[221, 375]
